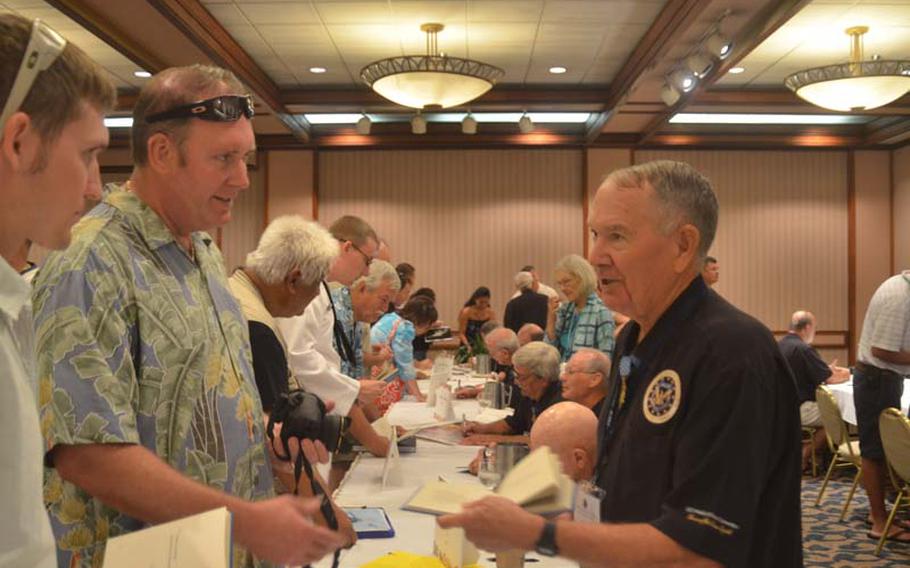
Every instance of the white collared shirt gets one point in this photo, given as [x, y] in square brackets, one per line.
[25, 531]
[312, 358]
[887, 323]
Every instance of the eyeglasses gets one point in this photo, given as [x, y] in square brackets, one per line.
[523, 377]
[44, 47]
[226, 108]
[366, 258]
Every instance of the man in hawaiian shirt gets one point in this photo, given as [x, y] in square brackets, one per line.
[148, 402]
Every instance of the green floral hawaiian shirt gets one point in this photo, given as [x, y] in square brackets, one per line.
[140, 344]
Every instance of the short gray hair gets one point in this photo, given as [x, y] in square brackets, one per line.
[380, 271]
[524, 280]
[290, 243]
[577, 266]
[503, 338]
[540, 359]
[684, 195]
[595, 361]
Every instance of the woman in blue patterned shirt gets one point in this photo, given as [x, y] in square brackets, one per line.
[582, 321]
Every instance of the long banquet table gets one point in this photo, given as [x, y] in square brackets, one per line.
[843, 394]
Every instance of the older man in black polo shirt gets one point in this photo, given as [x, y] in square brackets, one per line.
[809, 371]
[689, 477]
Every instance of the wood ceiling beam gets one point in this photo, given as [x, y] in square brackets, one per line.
[762, 25]
[673, 20]
[497, 95]
[207, 33]
[890, 131]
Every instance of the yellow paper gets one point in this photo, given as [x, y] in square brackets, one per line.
[406, 560]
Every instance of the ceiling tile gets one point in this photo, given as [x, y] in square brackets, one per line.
[502, 11]
[227, 14]
[275, 13]
[605, 11]
[355, 12]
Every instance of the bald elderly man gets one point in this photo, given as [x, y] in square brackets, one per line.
[584, 379]
[809, 371]
[570, 431]
[530, 332]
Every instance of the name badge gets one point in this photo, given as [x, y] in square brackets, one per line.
[587, 502]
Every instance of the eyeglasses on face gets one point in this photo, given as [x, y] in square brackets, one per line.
[44, 47]
[225, 108]
[367, 259]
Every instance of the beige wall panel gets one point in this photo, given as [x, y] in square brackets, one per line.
[901, 211]
[872, 182]
[240, 235]
[464, 218]
[782, 236]
[290, 183]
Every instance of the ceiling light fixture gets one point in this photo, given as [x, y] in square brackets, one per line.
[430, 81]
[469, 124]
[853, 86]
[418, 124]
[318, 70]
[142, 74]
[700, 63]
[525, 124]
[745, 118]
[363, 125]
[719, 45]
[558, 70]
[683, 79]
[736, 70]
[669, 95]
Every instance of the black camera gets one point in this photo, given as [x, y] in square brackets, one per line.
[302, 415]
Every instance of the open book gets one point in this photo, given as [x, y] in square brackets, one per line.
[536, 483]
[199, 541]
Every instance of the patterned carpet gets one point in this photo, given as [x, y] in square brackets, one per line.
[829, 543]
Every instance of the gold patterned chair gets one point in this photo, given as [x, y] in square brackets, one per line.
[895, 432]
[845, 451]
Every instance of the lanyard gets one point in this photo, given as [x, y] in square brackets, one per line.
[615, 405]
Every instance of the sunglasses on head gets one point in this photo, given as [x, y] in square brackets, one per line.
[44, 47]
[226, 108]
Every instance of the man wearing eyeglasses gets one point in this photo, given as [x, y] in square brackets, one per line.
[150, 408]
[51, 131]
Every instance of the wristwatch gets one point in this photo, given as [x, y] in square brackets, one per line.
[546, 544]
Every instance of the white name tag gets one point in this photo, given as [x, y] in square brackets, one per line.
[587, 502]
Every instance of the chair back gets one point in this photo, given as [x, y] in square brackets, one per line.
[831, 417]
[895, 431]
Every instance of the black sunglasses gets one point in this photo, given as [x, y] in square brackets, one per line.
[226, 108]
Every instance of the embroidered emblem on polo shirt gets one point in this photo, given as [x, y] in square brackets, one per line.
[661, 400]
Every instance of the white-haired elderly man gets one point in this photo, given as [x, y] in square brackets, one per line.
[537, 375]
[528, 307]
[280, 279]
[585, 378]
[502, 343]
[687, 478]
[530, 332]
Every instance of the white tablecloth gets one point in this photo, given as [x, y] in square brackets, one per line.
[843, 394]
[413, 531]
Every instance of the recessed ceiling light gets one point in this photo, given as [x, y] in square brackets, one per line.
[118, 121]
[736, 70]
[557, 70]
[142, 74]
[317, 70]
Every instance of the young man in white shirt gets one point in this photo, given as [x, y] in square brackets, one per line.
[51, 132]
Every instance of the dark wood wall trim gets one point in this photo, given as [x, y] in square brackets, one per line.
[316, 185]
[851, 256]
[891, 190]
[264, 161]
[584, 202]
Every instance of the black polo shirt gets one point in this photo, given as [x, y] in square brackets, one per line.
[528, 307]
[807, 366]
[528, 410]
[706, 447]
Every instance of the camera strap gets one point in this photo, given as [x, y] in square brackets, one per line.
[325, 505]
[342, 343]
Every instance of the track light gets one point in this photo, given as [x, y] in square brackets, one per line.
[719, 45]
[683, 79]
[418, 124]
[669, 95]
[363, 125]
[700, 63]
[525, 125]
[469, 124]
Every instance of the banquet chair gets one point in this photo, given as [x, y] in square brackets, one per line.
[809, 438]
[845, 451]
[895, 432]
